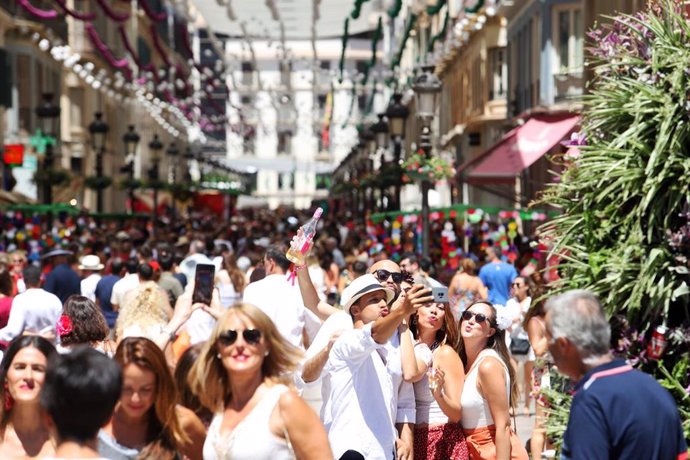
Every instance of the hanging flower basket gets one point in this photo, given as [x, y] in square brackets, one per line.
[97, 183]
[55, 177]
[130, 184]
[419, 167]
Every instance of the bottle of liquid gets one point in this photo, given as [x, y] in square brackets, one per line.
[301, 244]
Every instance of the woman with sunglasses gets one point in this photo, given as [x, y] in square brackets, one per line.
[490, 388]
[147, 422]
[434, 367]
[522, 290]
[241, 376]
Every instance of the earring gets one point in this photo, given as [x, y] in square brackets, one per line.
[218, 355]
[267, 353]
[414, 320]
[9, 400]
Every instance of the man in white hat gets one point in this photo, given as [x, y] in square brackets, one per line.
[90, 267]
[360, 397]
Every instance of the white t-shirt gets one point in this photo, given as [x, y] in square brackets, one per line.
[35, 310]
[122, 286]
[282, 302]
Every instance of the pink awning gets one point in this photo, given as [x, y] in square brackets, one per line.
[521, 147]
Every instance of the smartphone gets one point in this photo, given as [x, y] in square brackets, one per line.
[203, 283]
[440, 294]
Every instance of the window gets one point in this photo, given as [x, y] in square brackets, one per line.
[323, 181]
[568, 40]
[249, 138]
[247, 73]
[284, 142]
[285, 181]
[498, 69]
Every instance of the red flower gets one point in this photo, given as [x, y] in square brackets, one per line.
[64, 326]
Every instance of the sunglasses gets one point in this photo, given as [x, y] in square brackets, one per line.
[250, 336]
[478, 317]
[517, 285]
[382, 275]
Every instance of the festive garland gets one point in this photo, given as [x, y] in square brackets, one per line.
[434, 9]
[128, 45]
[39, 13]
[356, 10]
[395, 8]
[474, 8]
[117, 17]
[156, 17]
[159, 46]
[342, 54]
[408, 29]
[103, 49]
[81, 16]
[440, 35]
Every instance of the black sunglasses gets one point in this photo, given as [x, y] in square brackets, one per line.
[382, 275]
[517, 285]
[251, 336]
[478, 317]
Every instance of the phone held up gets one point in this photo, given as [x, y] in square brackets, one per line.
[440, 294]
[203, 283]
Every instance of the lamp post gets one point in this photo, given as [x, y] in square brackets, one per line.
[427, 87]
[397, 114]
[131, 140]
[48, 113]
[380, 130]
[155, 147]
[98, 130]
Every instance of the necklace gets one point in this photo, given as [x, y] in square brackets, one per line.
[434, 345]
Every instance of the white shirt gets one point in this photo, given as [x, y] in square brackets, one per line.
[35, 310]
[88, 285]
[404, 391]
[188, 265]
[122, 286]
[359, 411]
[282, 302]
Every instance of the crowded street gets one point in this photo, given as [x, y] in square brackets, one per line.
[345, 229]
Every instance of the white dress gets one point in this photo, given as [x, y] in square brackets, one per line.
[251, 439]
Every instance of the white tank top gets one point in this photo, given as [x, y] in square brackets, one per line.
[428, 410]
[251, 439]
[475, 409]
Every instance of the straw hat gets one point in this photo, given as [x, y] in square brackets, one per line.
[91, 262]
[361, 286]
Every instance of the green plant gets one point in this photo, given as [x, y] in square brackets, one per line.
[624, 231]
[97, 183]
[53, 176]
[130, 184]
[419, 166]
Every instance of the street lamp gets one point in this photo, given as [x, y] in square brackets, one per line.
[284, 124]
[155, 146]
[98, 130]
[48, 113]
[427, 88]
[380, 130]
[397, 114]
[131, 140]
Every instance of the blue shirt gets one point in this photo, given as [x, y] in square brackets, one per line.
[620, 413]
[63, 282]
[497, 277]
[104, 290]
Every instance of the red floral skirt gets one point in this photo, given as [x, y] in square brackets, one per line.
[441, 442]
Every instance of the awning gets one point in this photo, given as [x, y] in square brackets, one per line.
[519, 148]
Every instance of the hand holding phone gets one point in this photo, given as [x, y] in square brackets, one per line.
[203, 283]
[440, 294]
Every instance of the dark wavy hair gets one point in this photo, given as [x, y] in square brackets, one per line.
[186, 396]
[16, 345]
[88, 323]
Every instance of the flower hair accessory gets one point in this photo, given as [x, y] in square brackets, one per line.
[64, 325]
[503, 320]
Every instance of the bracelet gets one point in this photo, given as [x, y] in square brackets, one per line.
[297, 268]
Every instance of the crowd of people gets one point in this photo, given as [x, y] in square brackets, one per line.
[345, 354]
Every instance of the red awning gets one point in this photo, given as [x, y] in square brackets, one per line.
[520, 148]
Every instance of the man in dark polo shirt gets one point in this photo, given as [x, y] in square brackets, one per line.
[617, 412]
[62, 280]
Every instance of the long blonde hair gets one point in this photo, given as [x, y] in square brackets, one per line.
[210, 381]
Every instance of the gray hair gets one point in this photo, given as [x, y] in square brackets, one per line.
[577, 315]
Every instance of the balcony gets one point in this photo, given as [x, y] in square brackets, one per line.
[567, 85]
